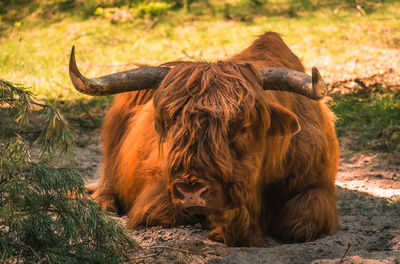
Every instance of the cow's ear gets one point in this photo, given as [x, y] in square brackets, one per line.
[283, 121]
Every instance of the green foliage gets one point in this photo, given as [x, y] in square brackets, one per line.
[362, 204]
[16, 107]
[153, 8]
[390, 203]
[44, 213]
[370, 119]
[242, 10]
[56, 133]
[104, 47]
[126, 13]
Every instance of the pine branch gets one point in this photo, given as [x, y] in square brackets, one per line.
[56, 137]
[44, 211]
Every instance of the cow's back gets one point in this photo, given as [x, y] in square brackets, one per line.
[269, 50]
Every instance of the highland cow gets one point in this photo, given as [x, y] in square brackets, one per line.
[244, 146]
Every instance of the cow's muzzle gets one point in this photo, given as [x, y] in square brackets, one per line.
[187, 196]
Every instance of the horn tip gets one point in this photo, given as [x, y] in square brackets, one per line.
[315, 74]
[73, 68]
[72, 56]
[318, 83]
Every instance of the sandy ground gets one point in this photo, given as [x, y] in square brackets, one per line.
[368, 187]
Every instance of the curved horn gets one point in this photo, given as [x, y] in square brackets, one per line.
[282, 79]
[144, 78]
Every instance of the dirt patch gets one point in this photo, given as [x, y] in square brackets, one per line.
[378, 64]
[368, 187]
[368, 224]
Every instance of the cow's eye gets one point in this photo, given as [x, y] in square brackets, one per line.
[237, 133]
[161, 127]
[166, 126]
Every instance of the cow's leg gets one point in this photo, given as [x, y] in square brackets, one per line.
[308, 215]
[217, 234]
[237, 228]
[154, 207]
[104, 196]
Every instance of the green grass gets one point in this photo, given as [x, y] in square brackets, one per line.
[361, 204]
[35, 43]
[370, 120]
[36, 52]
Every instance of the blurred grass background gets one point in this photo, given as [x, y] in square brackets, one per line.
[349, 41]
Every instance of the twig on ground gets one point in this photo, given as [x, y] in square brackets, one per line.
[187, 54]
[182, 255]
[170, 248]
[28, 247]
[143, 257]
[19, 256]
[82, 35]
[150, 26]
[43, 260]
[345, 252]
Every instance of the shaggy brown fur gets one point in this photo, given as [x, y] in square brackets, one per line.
[269, 157]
